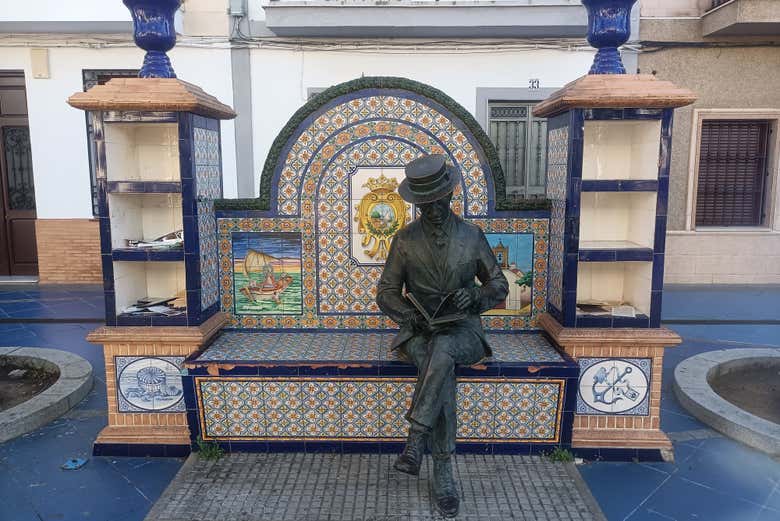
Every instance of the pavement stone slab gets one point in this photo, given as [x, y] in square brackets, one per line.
[321, 487]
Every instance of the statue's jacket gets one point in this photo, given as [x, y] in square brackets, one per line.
[415, 265]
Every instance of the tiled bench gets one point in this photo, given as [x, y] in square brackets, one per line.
[339, 391]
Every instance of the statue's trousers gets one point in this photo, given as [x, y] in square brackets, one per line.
[434, 400]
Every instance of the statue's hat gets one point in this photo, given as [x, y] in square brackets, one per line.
[428, 178]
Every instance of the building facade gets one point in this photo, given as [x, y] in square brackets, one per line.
[724, 196]
[266, 58]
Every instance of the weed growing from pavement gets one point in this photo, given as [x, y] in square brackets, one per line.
[560, 455]
[209, 450]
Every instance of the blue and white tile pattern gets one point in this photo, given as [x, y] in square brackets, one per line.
[149, 384]
[209, 187]
[614, 386]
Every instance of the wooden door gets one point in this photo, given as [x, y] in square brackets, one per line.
[18, 251]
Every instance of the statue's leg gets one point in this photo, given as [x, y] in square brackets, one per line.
[465, 348]
[432, 379]
[416, 349]
[433, 408]
[445, 429]
[445, 493]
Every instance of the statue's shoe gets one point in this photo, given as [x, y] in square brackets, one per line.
[445, 492]
[410, 459]
[448, 505]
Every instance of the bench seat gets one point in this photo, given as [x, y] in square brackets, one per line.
[318, 346]
[339, 391]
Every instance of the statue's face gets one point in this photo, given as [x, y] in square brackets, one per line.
[437, 211]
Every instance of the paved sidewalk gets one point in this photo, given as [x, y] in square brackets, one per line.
[321, 487]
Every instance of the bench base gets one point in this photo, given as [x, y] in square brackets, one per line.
[629, 359]
[143, 428]
[355, 400]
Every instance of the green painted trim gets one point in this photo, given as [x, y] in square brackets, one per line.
[263, 202]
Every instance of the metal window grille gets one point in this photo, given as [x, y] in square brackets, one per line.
[521, 142]
[18, 168]
[90, 79]
[732, 172]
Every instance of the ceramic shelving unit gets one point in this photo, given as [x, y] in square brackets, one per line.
[609, 139]
[158, 171]
[609, 183]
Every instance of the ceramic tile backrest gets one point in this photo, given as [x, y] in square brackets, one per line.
[313, 260]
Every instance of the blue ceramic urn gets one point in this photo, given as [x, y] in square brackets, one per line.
[609, 26]
[154, 33]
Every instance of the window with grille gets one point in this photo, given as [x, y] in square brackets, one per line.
[732, 172]
[521, 142]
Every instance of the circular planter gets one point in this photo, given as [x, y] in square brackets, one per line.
[73, 384]
[692, 387]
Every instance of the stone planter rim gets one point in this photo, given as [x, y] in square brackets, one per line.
[693, 390]
[74, 382]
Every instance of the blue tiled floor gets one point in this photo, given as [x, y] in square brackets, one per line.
[46, 302]
[722, 302]
[32, 485]
[712, 479]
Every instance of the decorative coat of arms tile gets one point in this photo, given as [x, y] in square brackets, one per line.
[378, 214]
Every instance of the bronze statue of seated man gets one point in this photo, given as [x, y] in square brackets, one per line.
[429, 288]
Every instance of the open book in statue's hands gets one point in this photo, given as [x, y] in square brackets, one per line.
[440, 316]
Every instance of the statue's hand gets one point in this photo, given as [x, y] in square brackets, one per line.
[464, 298]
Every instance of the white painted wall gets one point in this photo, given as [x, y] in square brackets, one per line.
[58, 131]
[722, 257]
[63, 11]
[281, 78]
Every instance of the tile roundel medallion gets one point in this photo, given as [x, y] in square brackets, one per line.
[614, 386]
[149, 384]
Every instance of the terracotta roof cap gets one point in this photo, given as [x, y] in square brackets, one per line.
[151, 94]
[615, 91]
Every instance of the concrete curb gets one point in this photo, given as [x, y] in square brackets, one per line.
[71, 387]
[692, 388]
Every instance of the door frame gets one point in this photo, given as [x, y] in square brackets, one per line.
[7, 214]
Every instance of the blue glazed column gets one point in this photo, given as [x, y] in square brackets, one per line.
[609, 26]
[154, 33]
